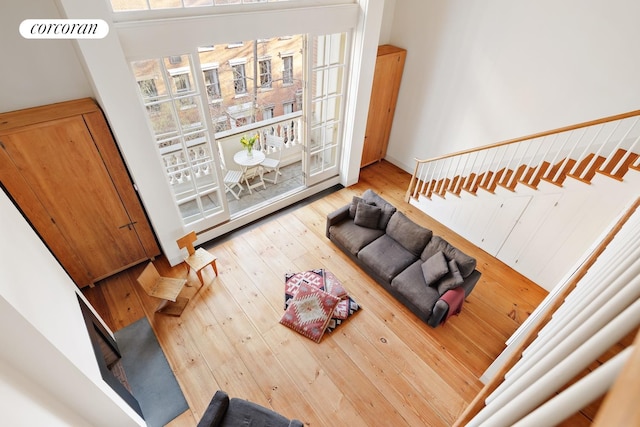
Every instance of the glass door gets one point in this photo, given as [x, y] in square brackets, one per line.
[328, 57]
[172, 97]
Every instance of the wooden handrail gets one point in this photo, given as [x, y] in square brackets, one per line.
[533, 136]
[620, 406]
[478, 402]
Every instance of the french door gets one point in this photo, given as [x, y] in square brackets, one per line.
[200, 103]
[171, 93]
[327, 65]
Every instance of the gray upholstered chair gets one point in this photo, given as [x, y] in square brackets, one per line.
[225, 412]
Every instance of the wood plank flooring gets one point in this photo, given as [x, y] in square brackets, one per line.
[383, 367]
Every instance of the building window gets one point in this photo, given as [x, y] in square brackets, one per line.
[239, 79]
[287, 70]
[288, 107]
[181, 82]
[148, 89]
[212, 82]
[265, 73]
[267, 113]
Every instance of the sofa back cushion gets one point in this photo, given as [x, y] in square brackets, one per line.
[367, 215]
[466, 264]
[387, 209]
[410, 235]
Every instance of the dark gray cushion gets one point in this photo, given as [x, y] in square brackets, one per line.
[410, 284]
[451, 280]
[245, 413]
[386, 257]
[352, 237]
[370, 197]
[214, 414]
[434, 268]
[354, 205]
[466, 264]
[367, 215]
[409, 234]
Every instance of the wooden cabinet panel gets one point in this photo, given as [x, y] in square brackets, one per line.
[67, 177]
[384, 95]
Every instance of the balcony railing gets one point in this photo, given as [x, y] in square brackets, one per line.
[198, 166]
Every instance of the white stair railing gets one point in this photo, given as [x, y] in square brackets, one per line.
[586, 144]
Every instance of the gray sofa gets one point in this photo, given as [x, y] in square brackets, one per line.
[406, 259]
[225, 412]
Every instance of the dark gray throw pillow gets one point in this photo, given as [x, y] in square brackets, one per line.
[434, 268]
[452, 279]
[354, 205]
[367, 215]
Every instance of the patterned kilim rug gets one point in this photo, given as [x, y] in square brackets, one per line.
[324, 281]
[151, 380]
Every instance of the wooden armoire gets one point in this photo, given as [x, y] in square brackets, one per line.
[61, 166]
[384, 94]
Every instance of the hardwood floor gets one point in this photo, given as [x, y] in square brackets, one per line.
[383, 367]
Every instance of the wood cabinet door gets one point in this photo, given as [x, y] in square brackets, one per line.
[60, 175]
[384, 94]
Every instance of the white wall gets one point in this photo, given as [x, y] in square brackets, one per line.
[479, 72]
[36, 72]
[48, 371]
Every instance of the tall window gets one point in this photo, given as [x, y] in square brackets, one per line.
[239, 79]
[177, 118]
[265, 73]
[212, 82]
[126, 5]
[288, 107]
[327, 88]
[287, 70]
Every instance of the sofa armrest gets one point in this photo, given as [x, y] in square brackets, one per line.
[214, 414]
[336, 217]
[438, 313]
[470, 282]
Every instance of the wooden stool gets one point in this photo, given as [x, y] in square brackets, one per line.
[197, 259]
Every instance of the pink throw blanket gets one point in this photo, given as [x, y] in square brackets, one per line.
[454, 298]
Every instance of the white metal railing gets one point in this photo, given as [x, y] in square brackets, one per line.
[609, 145]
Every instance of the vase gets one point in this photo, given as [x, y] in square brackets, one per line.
[250, 152]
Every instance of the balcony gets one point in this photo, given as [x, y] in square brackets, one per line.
[191, 180]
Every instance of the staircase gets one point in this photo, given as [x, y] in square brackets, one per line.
[538, 202]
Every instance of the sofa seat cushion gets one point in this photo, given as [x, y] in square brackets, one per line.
[409, 234]
[386, 257]
[410, 284]
[466, 264]
[352, 237]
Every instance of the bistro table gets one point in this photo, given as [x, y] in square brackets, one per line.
[245, 161]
